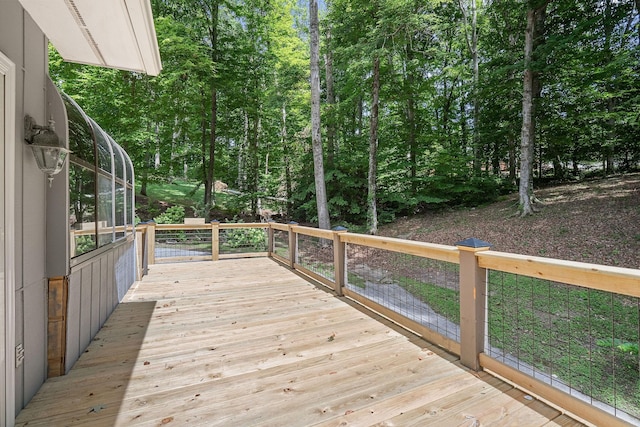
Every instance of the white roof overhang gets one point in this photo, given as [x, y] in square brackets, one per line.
[109, 33]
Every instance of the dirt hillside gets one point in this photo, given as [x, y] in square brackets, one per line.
[594, 221]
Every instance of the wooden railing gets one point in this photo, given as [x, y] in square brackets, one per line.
[331, 258]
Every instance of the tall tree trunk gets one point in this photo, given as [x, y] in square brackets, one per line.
[372, 211]
[209, 195]
[609, 146]
[526, 144]
[477, 149]
[464, 130]
[253, 164]
[472, 45]
[316, 141]
[175, 141]
[411, 121]
[156, 157]
[242, 153]
[145, 174]
[531, 89]
[209, 178]
[203, 149]
[331, 101]
[287, 160]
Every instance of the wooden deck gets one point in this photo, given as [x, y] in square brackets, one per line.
[249, 343]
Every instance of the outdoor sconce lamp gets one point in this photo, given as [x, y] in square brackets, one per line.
[47, 149]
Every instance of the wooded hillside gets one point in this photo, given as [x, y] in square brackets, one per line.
[596, 221]
[450, 100]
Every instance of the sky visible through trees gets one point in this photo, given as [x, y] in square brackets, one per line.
[423, 103]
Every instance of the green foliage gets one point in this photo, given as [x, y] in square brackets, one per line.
[252, 239]
[473, 191]
[443, 137]
[630, 348]
[237, 204]
[173, 215]
[555, 327]
[85, 244]
[176, 191]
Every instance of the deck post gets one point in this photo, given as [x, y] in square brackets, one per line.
[293, 245]
[151, 242]
[215, 240]
[72, 242]
[339, 259]
[473, 282]
[57, 296]
[269, 239]
[139, 251]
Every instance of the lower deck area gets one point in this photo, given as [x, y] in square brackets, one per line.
[248, 342]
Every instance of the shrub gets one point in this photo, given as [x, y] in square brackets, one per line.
[173, 215]
[249, 238]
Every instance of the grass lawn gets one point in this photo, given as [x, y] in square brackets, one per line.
[586, 338]
[183, 193]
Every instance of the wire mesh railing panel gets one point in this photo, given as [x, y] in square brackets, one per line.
[424, 290]
[582, 341]
[316, 254]
[242, 240]
[281, 243]
[182, 243]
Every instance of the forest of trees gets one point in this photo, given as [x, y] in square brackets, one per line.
[423, 103]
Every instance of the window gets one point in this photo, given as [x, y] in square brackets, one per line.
[101, 208]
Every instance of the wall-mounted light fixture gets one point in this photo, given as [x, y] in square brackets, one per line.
[47, 148]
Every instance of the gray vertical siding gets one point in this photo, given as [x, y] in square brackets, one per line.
[41, 245]
[96, 286]
[25, 45]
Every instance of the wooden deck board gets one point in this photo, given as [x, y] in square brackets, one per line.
[247, 342]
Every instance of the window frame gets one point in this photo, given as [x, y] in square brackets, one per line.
[117, 179]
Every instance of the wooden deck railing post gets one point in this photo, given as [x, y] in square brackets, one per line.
[473, 280]
[293, 245]
[139, 251]
[72, 242]
[270, 244]
[339, 259]
[215, 240]
[151, 242]
[57, 297]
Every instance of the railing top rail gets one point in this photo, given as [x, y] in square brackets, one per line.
[183, 226]
[410, 247]
[207, 226]
[625, 281]
[314, 232]
[243, 225]
[278, 226]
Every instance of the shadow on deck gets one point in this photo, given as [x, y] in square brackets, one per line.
[248, 342]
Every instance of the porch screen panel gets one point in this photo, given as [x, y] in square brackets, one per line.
[82, 181]
[120, 193]
[100, 184]
[130, 195]
[105, 186]
[82, 209]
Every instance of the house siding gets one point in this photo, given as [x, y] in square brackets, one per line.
[19, 35]
[41, 246]
[96, 287]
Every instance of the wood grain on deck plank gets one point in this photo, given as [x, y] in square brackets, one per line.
[247, 342]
